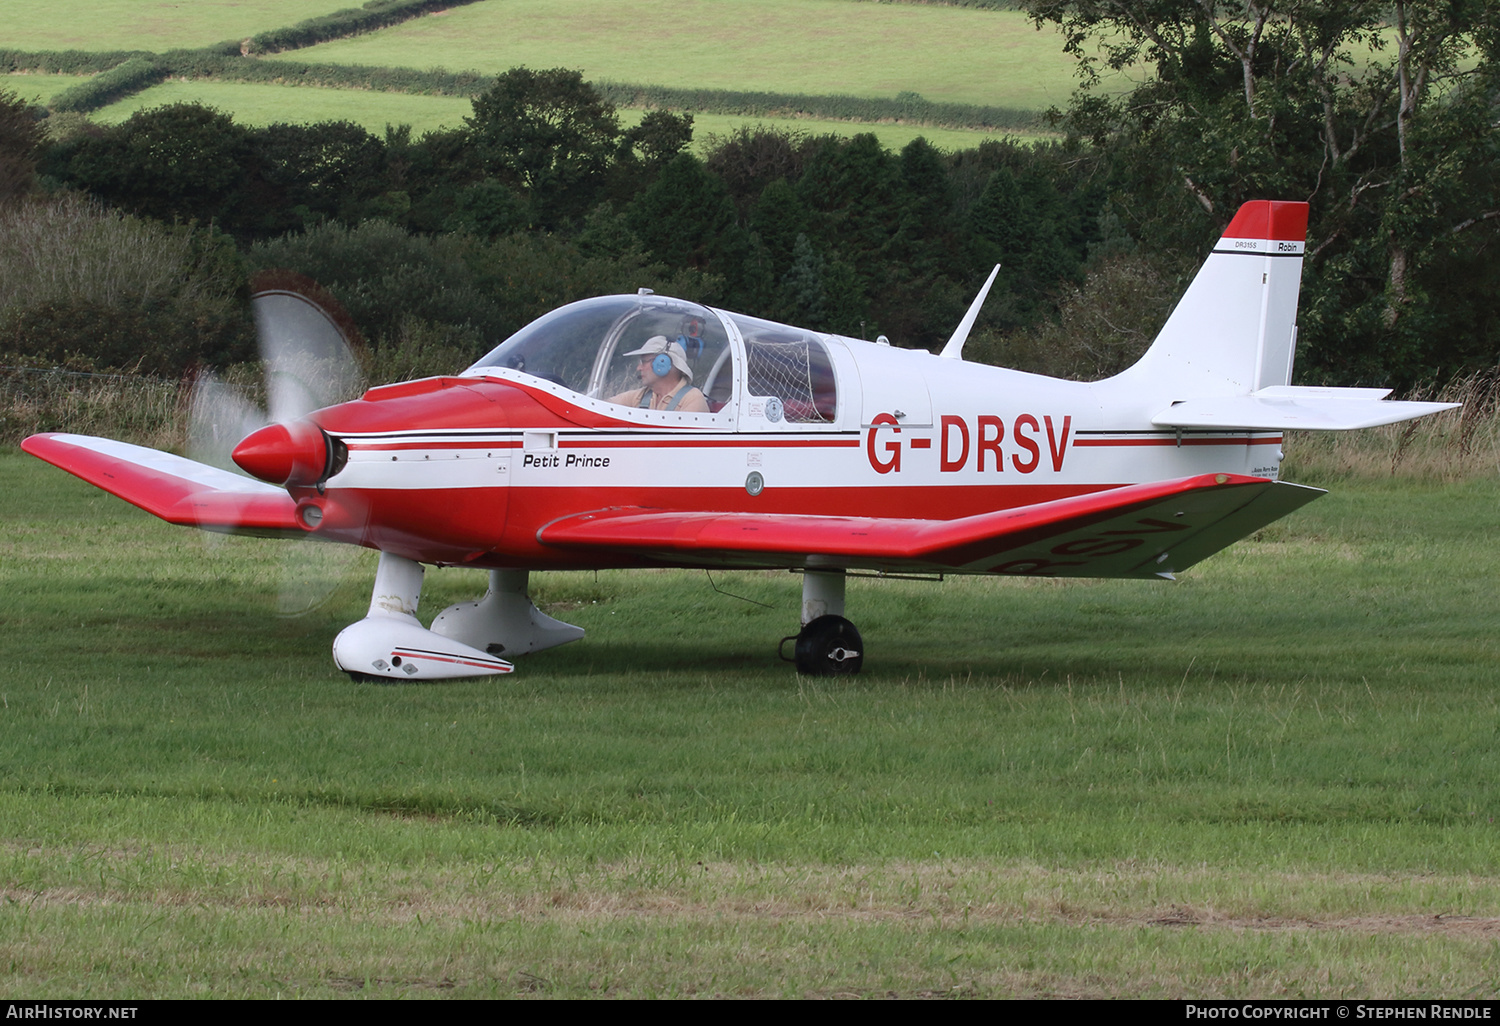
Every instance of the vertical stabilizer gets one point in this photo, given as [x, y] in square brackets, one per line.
[1234, 330]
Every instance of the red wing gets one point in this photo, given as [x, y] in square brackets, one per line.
[178, 490]
[1133, 531]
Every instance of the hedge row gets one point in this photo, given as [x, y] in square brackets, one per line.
[128, 77]
[905, 107]
[64, 62]
[436, 82]
[376, 14]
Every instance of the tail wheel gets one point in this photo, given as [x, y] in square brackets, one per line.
[829, 646]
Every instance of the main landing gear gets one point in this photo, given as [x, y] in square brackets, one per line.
[828, 645]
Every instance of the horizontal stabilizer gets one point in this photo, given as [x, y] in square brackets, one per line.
[1290, 408]
[178, 490]
[1146, 530]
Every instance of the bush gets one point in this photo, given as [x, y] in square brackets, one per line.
[21, 140]
[1104, 325]
[144, 410]
[907, 107]
[457, 291]
[98, 289]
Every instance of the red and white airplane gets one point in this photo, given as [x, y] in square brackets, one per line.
[806, 451]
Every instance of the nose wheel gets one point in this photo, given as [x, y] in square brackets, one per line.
[829, 646]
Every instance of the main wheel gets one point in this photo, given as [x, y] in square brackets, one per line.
[829, 646]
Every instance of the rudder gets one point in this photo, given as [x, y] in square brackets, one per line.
[1234, 330]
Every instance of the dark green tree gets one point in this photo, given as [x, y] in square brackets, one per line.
[182, 162]
[659, 137]
[750, 159]
[333, 170]
[686, 219]
[488, 208]
[778, 219]
[549, 133]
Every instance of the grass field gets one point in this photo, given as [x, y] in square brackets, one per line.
[253, 104]
[149, 24]
[39, 88]
[952, 54]
[789, 46]
[1275, 778]
[265, 104]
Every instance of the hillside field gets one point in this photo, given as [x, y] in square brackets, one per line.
[809, 47]
[148, 24]
[950, 54]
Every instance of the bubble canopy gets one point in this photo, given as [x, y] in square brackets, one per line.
[583, 346]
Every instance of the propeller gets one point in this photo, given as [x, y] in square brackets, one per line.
[307, 347]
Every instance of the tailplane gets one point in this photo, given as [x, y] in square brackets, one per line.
[1224, 358]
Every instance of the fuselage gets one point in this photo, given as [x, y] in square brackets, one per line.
[466, 470]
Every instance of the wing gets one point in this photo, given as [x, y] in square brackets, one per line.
[1143, 530]
[178, 490]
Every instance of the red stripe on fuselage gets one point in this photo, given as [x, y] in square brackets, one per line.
[1086, 443]
[379, 446]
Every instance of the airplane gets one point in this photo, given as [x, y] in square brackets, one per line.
[794, 449]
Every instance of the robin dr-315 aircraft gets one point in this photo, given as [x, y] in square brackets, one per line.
[643, 431]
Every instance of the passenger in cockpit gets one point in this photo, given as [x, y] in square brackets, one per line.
[666, 379]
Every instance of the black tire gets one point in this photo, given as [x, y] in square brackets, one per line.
[830, 646]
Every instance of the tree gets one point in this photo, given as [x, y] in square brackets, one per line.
[686, 219]
[182, 162]
[659, 137]
[312, 173]
[1380, 114]
[548, 132]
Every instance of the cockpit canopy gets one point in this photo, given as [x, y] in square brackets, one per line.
[587, 347]
[584, 345]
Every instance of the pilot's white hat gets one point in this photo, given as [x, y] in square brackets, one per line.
[675, 352]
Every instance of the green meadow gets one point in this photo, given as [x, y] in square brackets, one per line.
[951, 54]
[1274, 778]
[813, 47]
[39, 88]
[148, 24]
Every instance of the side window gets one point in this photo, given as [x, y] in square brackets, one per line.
[791, 365]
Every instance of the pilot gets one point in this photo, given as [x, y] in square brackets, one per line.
[666, 379]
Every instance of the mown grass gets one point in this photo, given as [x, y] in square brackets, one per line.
[266, 104]
[148, 24]
[1275, 778]
[960, 55]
